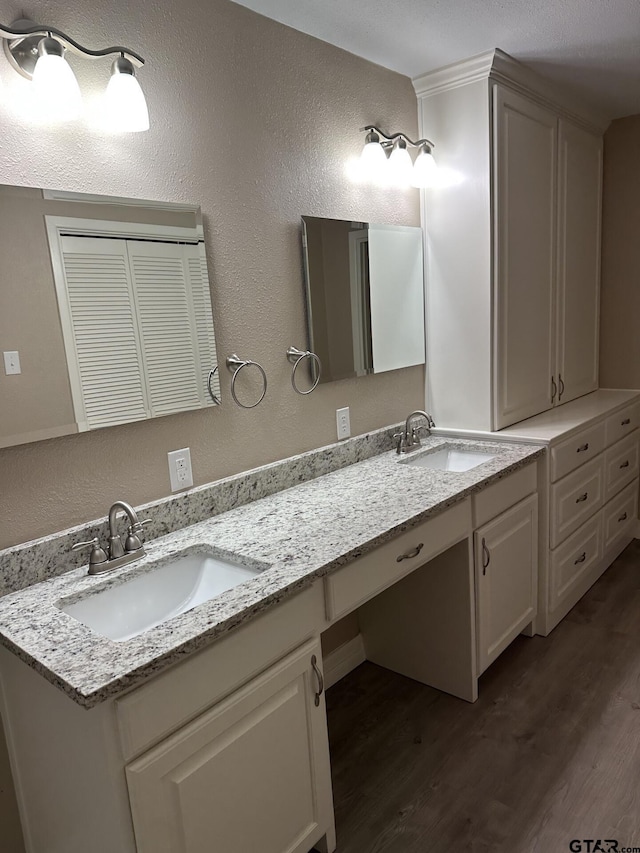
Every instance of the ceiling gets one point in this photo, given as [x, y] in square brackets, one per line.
[592, 46]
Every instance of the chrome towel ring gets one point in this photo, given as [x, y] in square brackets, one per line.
[296, 356]
[213, 396]
[235, 365]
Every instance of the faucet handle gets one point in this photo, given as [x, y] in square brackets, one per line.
[402, 440]
[133, 541]
[98, 554]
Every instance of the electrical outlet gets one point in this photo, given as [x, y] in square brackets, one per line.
[11, 362]
[180, 469]
[343, 423]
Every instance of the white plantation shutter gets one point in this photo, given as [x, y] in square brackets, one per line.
[205, 336]
[167, 327]
[103, 346]
[138, 328]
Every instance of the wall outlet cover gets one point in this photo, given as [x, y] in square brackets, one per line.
[180, 472]
[343, 423]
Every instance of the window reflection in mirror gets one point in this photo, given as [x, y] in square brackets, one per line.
[364, 296]
[107, 301]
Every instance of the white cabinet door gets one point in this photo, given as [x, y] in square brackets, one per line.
[506, 562]
[578, 280]
[525, 138]
[252, 773]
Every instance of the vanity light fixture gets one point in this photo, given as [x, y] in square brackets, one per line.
[388, 162]
[38, 53]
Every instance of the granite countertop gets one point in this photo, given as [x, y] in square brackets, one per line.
[299, 535]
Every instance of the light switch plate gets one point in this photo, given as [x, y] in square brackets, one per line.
[180, 472]
[343, 423]
[12, 362]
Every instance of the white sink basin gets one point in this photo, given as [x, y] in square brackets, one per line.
[126, 609]
[450, 459]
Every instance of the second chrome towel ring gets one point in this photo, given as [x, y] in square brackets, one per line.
[235, 365]
[296, 356]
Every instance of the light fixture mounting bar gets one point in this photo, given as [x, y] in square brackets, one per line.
[23, 36]
[390, 139]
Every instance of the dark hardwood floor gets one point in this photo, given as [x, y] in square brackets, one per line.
[549, 753]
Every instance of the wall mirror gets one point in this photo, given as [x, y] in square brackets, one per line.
[364, 295]
[106, 302]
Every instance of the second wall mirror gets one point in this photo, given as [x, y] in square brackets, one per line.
[364, 288]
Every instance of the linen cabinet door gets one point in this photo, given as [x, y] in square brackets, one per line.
[506, 563]
[579, 212]
[525, 138]
[252, 773]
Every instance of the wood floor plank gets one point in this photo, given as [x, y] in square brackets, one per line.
[549, 753]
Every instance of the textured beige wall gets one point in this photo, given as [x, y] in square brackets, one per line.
[620, 296]
[255, 122]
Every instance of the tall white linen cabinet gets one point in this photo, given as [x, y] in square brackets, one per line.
[512, 306]
[513, 245]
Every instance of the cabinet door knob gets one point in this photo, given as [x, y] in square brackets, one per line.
[625, 464]
[554, 390]
[581, 558]
[582, 498]
[561, 384]
[316, 669]
[623, 517]
[625, 422]
[583, 447]
[410, 554]
[486, 556]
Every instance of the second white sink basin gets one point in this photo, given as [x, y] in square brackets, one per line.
[450, 459]
[129, 608]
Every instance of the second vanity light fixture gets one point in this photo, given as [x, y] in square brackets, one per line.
[387, 161]
[38, 53]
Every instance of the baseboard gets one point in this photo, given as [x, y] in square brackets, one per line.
[342, 660]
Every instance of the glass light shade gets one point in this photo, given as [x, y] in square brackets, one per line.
[126, 106]
[373, 160]
[401, 166]
[57, 92]
[425, 170]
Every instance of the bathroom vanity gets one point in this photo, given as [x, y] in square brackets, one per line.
[211, 726]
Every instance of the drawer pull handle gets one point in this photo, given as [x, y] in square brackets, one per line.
[581, 558]
[410, 554]
[582, 498]
[486, 556]
[314, 664]
[623, 517]
[625, 422]
[625, 464]
[582, 448]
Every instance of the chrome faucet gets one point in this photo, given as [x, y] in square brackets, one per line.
[118, 554]
[409, 439]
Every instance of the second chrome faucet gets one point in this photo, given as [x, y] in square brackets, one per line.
[409, 438]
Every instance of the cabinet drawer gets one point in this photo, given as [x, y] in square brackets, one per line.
[622, 423]
[577, 450]
[574, 558]
[621, 464]
[620, 515]
[575, 498]
[348, 588]
[498, 497]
